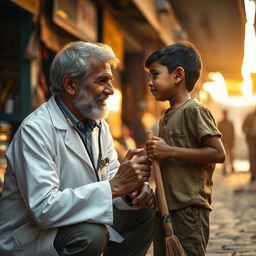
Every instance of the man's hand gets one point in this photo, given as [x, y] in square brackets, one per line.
[132, 173]
[143, 197]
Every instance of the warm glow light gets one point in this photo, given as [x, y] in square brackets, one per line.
[114, 101]
[249, 60]
[218, 91]
[62, 14]
[3, 137]
[240, 101]
[217, 88]
[246, 85]
[3, 147]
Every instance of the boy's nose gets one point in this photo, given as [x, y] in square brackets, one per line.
[150, 83]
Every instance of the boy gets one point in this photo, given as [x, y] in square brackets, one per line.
[188, 147]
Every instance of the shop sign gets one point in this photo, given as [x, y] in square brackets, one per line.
[30, 5]
[113, 36]
[78, 17]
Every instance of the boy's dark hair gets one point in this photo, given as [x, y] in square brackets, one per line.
[183, 54]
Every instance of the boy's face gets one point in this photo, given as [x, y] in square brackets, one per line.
[161, 83]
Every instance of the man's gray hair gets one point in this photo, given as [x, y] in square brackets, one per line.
[74, 61]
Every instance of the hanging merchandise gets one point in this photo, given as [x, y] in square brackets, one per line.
[4, 94]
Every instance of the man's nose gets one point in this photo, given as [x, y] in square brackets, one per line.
[109, 89]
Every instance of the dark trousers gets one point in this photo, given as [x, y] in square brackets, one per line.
[90, 239]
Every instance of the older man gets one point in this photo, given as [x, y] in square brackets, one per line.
[65, 192]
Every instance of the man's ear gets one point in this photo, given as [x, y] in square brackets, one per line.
[70, 85]
[179, 74]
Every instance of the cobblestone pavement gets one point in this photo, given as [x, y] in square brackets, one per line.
[233, 219]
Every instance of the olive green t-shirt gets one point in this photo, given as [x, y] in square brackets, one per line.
[186, 183]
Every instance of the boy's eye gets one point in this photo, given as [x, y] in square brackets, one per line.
[153, 75]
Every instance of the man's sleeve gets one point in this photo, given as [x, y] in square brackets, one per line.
[39, 184]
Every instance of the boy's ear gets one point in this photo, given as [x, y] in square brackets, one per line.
[70, 85]
[179, 74]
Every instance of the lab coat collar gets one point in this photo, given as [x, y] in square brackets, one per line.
[72, 139]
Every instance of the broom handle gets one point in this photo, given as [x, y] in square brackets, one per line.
[159, 183]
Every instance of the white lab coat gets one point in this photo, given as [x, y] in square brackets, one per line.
[50, 182]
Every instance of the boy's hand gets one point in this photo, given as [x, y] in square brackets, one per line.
[157, 148]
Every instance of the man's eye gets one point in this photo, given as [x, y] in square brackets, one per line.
[102, 81]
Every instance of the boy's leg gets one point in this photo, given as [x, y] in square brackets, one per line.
[81, 239]
[191, 226]
[136, 227]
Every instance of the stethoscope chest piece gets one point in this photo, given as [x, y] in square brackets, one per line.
[104, 162]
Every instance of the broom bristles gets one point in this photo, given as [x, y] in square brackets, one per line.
[174, 247]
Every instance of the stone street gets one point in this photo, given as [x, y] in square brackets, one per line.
[233, 219]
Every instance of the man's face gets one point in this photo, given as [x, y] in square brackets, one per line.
[90, 100]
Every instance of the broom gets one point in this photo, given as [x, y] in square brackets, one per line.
[172, 243]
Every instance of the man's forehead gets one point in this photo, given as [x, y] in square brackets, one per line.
[99, 66]
[94, 60]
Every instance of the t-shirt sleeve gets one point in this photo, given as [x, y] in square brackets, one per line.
[205, 123]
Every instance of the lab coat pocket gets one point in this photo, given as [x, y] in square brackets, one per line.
[26, 234]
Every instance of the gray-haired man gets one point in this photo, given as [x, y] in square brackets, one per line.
[64, 187]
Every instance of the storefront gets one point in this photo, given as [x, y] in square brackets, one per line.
[16, 24]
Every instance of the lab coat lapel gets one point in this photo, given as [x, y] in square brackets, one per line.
[74, 142]
[71, 137]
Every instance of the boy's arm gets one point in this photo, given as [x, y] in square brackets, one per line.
[212, 150]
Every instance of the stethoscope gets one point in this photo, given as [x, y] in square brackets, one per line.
[101, 163]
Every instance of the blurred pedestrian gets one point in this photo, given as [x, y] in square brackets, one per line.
[226, 128]
[249, 129]
[187, 148]
[64, 188]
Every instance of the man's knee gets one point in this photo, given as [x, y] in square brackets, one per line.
[81, 239]
[96, 236]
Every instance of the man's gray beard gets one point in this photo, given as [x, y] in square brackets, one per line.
[88, 106]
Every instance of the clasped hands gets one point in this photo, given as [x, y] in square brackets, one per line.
[131, 177]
